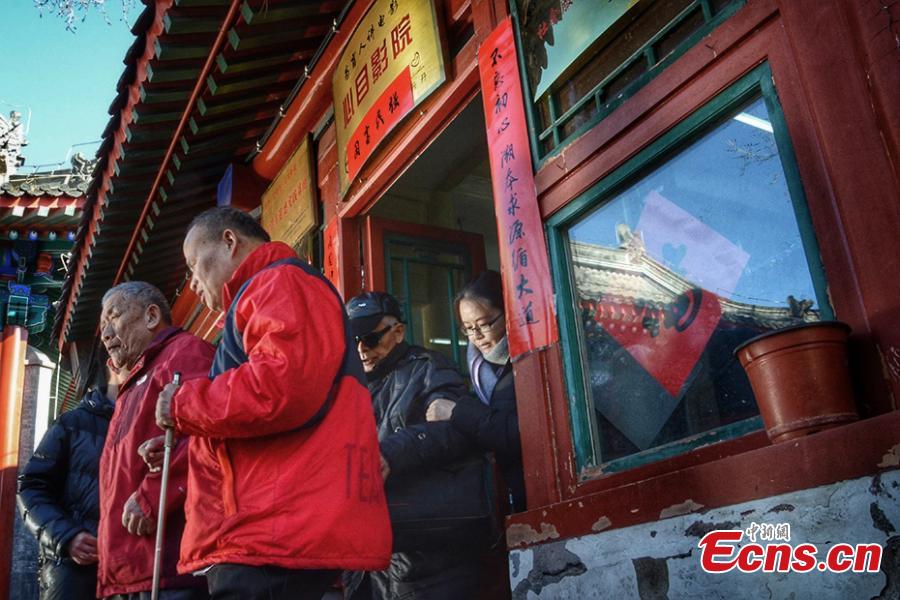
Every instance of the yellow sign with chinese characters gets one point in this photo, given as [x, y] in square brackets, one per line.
[289, 205]
[392, 62]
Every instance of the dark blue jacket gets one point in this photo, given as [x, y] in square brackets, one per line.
[59, 487]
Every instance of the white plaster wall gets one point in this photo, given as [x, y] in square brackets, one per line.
[603, 565]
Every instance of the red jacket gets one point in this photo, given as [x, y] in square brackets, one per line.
[261, 491]
[126, 560]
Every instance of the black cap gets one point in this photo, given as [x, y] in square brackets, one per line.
[367, 310]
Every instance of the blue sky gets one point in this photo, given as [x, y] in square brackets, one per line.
[67, 80]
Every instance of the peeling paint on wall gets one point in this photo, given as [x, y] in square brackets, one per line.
[676, 510]
[781, 508]
[520, 533]
[700, 528]
[652, 578]
[891, 458]
[552, 564]
[601, 524]
[661, 560]
[890, 566]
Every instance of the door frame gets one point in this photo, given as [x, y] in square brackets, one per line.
[374, 232]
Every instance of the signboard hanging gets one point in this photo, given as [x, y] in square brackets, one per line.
[527, 288]
[392, 62]
[289, 204]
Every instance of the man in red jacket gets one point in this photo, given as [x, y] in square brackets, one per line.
[285, 488]
[136, 328]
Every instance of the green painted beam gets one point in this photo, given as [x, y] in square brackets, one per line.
[214, 144]
[173, 51]
[252, 42]
[221, 107]
[150, 118]
[242, 66]
[142, 135]
[242, 85]
[161, 97]
[185, 25]
[238, 121]
[168, 74]
[141, 168]
[285, 12]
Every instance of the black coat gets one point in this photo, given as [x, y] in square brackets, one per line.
[59, 487]
[402, 387]
[495, 428]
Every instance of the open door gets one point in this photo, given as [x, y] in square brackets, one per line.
[423, 267]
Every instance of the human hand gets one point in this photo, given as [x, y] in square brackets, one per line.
[152, 452]
[440, 410]
[385, 468]
[134, 519]
[83, 548]
[164, 406]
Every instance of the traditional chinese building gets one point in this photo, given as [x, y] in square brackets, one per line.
[658, 181]
[39, 215]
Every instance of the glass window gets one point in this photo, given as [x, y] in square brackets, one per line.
[577, 72]
[673, 271]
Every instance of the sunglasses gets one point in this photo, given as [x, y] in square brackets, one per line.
[373, 338]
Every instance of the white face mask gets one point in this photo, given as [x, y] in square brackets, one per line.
[499, 354]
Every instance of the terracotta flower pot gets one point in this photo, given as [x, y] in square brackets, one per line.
[800, 378]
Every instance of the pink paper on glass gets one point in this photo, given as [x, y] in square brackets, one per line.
[687, 245]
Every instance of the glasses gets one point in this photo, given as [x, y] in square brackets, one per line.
[484, 329]
[373, 338]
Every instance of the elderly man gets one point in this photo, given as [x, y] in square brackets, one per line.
[426, 464]
[136, 329]
[284, 488]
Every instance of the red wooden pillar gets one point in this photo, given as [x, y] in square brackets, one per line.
[861, 177]
[12, 382]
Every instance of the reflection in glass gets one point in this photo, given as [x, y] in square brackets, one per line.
[674, 272]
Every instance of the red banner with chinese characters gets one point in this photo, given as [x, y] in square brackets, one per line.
[332, 258]
[395, 103]
[527, 288]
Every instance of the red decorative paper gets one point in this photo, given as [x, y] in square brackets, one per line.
[394, 103]
[667, 341]
[332, 263]
[527, 287]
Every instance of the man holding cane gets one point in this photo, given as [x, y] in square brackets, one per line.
[285, 488]
[136, 329]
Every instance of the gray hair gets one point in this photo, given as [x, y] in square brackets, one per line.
[143, 294]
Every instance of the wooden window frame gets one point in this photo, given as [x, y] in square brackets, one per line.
[756, 83]
[787, 35]
[645, 52]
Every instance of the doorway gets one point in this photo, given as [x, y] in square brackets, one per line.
[433, 231]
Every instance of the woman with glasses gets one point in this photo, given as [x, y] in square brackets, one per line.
[493, 423]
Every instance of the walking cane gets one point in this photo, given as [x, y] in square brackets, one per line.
[163, 491]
